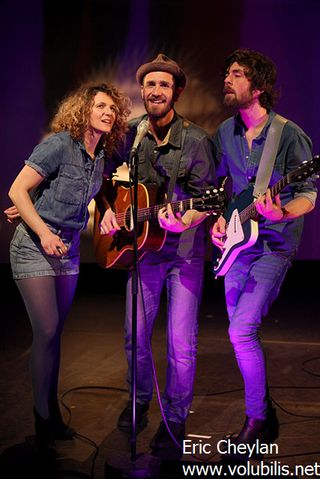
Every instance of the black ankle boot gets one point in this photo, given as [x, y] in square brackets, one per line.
[60, 429]
[270, 430]
[250, 431]
[44, 433]
[266, 430]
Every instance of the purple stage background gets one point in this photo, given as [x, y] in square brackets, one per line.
[49, 47]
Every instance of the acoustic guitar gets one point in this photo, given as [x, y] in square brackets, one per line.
[117, 251]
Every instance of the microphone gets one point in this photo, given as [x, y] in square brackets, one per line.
[142, 129]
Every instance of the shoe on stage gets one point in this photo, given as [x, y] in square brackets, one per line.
[266, 431]
[162, 443]
[61, 431]
[125, 418]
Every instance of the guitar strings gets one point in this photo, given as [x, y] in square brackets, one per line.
[124, 217]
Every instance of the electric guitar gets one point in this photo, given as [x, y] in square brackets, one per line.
[241, 215]
[117, 251]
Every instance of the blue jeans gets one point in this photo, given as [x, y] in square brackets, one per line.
[251, 285]
[183, 280]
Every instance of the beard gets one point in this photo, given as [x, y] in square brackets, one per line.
[158, 110]
[243, 101]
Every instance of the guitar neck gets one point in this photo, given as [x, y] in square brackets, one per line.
[280, 185]
[251, 212]
[150, 213]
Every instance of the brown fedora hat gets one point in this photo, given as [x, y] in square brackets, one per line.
[162, 64]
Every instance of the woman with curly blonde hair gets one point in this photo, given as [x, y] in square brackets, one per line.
[51, 195]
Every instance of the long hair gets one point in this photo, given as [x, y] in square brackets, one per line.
[74, 112]
[261, 72]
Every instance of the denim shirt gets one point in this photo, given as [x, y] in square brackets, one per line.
[71, 180]
[196, 171]
[234, 159]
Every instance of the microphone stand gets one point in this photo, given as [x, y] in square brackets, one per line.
[133, 166]
[145, 465]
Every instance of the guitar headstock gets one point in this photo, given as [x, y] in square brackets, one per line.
[213, 201]
[306, 169]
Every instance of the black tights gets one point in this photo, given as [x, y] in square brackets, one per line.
[48, 300]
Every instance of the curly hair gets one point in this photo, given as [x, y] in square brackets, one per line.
[261, 72]
[74, 112]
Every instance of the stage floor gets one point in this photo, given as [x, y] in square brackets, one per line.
[93, 380]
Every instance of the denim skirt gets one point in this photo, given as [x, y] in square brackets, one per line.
[28, 258]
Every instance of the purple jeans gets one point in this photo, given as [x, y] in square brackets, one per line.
[251, 285]
[183, 280]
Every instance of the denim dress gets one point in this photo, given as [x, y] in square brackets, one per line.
[71, 180]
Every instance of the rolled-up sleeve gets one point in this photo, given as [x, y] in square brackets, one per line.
[46, 156]
[300, 157]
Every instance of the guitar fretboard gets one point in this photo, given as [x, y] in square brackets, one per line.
[304, 171]
[251, 212]
[149, 213]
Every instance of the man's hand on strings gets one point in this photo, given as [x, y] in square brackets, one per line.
[218, 232]
[268, 207]
[170, 221]
[109, 224]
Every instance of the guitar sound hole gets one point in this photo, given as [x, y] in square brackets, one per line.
[128, 219]
[126, 237]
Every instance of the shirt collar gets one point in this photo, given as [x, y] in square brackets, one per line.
[240, 128]
[100, 150]
[173, 137]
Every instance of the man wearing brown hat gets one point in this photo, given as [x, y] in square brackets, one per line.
[170, 144]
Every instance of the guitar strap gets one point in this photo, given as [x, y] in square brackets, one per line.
[268, 156]
[175, 167]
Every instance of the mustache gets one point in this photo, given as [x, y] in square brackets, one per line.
[157, 97]
[228, 90]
